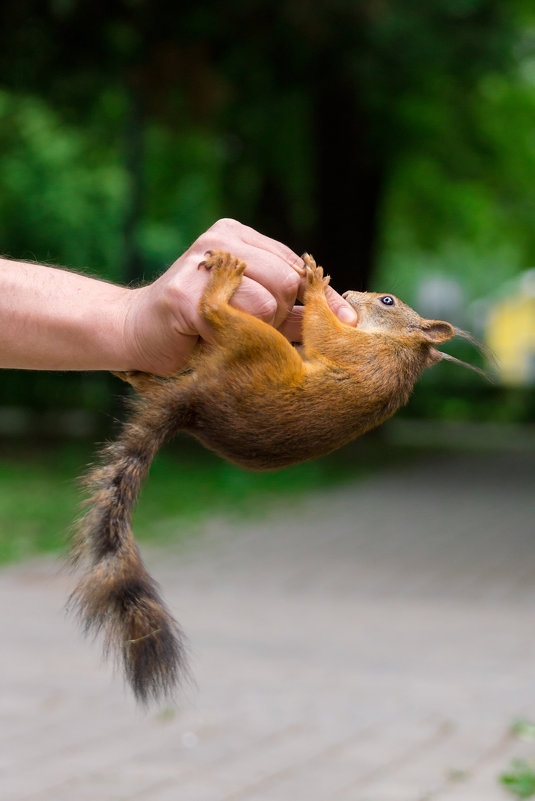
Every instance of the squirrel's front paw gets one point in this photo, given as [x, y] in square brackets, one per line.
[225, 276]
[314, 273]
[222, 262]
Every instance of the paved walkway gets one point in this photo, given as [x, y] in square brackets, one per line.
[374, 643]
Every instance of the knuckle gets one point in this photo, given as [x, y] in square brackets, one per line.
[289, 286]
[225, 224]
[265, 308]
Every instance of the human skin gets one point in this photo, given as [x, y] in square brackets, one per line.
[55, 319]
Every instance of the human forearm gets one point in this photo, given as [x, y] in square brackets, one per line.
[53, 319]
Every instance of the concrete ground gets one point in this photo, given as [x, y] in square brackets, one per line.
[372, 643]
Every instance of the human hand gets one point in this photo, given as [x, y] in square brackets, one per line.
[163, 325]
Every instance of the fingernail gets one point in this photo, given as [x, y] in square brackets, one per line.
[347, 315]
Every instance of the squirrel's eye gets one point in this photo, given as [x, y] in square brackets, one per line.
[388, 300]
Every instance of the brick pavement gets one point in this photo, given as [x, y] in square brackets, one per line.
[372, 643]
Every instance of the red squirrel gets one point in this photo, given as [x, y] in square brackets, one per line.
[259, 402]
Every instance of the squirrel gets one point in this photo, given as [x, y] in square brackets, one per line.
[258, 401]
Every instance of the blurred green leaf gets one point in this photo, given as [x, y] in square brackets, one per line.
[519, 780]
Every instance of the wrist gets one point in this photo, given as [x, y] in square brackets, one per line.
[112, 346]
[132, 318]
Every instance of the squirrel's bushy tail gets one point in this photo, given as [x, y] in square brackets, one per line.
[117, 597]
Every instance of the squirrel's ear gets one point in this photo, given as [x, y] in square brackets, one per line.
[437, 331]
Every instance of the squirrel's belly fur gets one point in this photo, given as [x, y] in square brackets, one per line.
[262, 433]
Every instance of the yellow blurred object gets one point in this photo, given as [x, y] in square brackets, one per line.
[510, 332]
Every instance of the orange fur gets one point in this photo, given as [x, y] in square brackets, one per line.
[257, 401]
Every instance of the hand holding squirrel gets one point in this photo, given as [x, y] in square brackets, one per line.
[55, 319]
[163, 322]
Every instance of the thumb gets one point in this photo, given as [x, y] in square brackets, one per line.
[340, 307]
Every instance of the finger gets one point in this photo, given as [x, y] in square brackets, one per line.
[292, 327]
[270, 263]
[276, 276]
[250, 297]
[342, 309]
[253, 298]
[337, 304]
[232, 229]
[272, 273]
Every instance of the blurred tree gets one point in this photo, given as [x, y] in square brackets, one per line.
[297, 114]
[61, 191]
[460, 198]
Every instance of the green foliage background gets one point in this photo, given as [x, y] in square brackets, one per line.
[395, 141]
[224, 103]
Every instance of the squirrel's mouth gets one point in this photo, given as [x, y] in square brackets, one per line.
[355, 301]
[351, 297]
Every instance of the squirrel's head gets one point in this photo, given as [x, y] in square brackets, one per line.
[388, 314]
